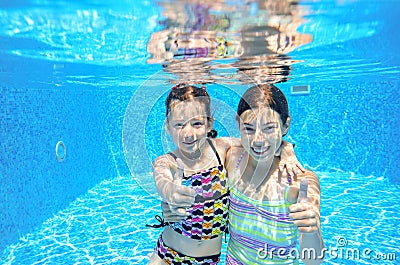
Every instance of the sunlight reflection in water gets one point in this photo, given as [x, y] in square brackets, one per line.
[211, 41]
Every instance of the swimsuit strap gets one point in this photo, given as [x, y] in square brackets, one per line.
[161, 223]
[239, 160]
[235, 171]
[173, 155]
[215, 151]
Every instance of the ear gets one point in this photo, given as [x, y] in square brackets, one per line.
[210, 123]
[237, 119]
[167, 127]
[285, 127]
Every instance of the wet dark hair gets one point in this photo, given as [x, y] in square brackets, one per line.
[184, 92]
[264, 95]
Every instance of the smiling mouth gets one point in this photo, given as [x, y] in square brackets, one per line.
[189, 143]
[260, 150]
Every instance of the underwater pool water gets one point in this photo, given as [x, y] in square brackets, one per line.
[107, 225]
[69, 72]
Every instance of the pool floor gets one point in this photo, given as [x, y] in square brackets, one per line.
[107, 225]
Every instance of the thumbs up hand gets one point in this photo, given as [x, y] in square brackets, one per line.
[175, 196]
[183, 197]
[302, 212]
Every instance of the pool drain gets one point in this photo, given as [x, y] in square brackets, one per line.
[300, 90]
[61, 151]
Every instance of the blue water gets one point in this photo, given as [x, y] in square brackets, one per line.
[107, 224]
[76, 72]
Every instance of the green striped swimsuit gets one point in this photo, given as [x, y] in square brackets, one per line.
[261, 232]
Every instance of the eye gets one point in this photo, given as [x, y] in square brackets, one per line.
[197, 124]
[178, 125]
[270, 128]
[248, 129]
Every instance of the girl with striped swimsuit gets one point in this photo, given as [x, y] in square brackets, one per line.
[269, 214]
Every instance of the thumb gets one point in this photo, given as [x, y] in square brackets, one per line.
[179, 173]
[303, 191]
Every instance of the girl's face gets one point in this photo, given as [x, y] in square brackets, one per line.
[261, 131]
[188, 125]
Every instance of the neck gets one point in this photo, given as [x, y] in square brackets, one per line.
[190, 156]
[262, 169]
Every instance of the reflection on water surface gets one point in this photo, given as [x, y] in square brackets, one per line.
[210, 41]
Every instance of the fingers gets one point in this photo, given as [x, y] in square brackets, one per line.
[301, 211]
[303, 217]
[183, 196]
[305, 222]
[184, 191]
[297, 169]
[178, 211]
[291, 169]
[300, 168]
[172, 213]
[282, 165]
[307, 226]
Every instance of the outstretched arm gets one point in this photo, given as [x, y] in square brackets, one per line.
[230, 142]
[169, 186]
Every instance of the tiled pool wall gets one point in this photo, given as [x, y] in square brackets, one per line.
[346, 126]
[351, 126]
[34, 116]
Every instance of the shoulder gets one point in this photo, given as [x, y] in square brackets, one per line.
[220, 142]
[310, 176]
[236, 151]
[228, 142]
[163, 161]
[233, 156]
[224, 144]
[220, 145]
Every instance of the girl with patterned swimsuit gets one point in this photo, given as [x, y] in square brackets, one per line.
[194, 177]
[192, 181]
[268, 213]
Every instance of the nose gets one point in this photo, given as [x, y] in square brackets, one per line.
[258, 138]
[187, 131]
